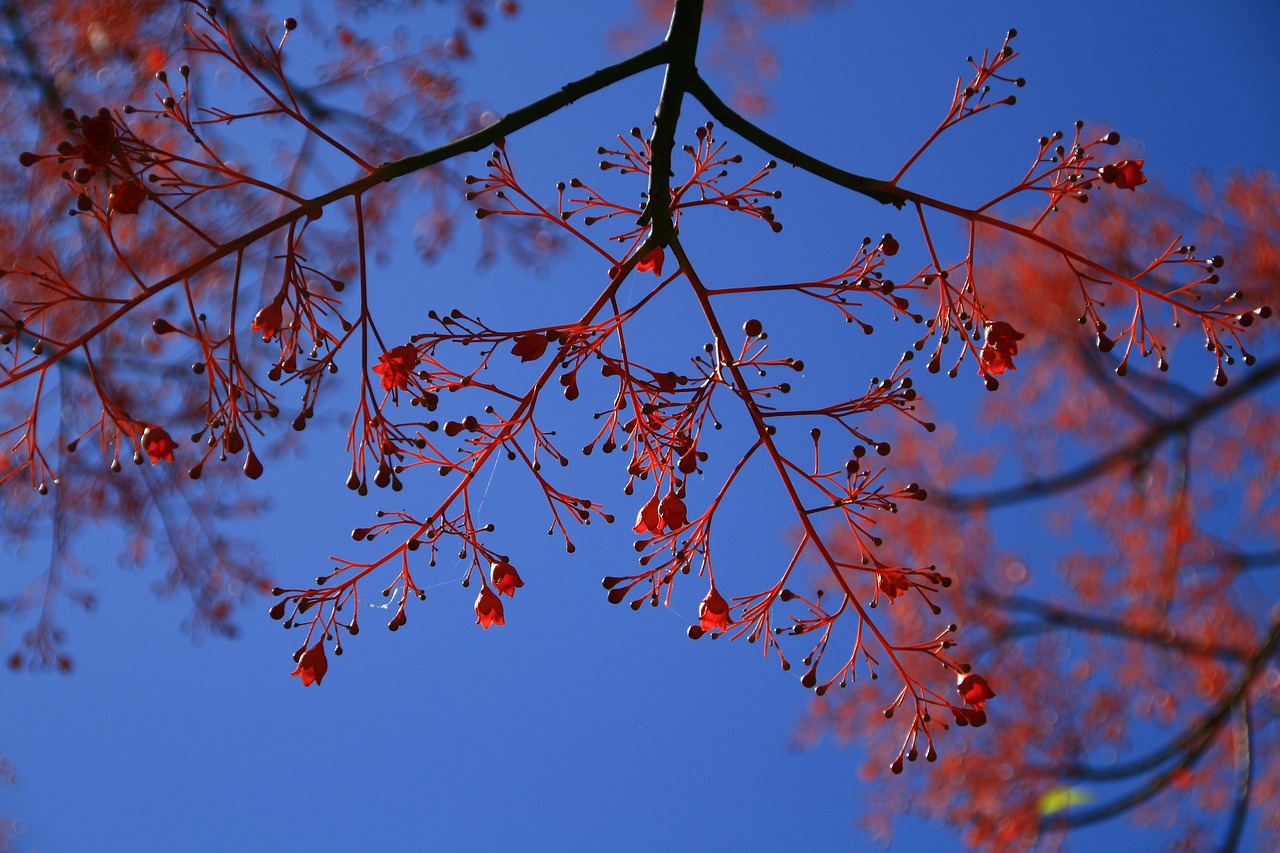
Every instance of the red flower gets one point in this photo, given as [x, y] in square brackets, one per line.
[1126, 174]
[505, 579]
[893, 585]
[269, 320]
[652, 261]
[126, 197]
[488, 609]
[396, 367]
[312, 665]
[713, 613]
[974, 690]
[673, 512]
[969, 716]
[99, 137]
[998, 348]
[530, 347]
[649, 519]
[158, 444]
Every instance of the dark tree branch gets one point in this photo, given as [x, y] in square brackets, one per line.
[39, 76]
[1137, 449]
[511, 122]
[1054, 617]
[882, 191]
[1190, 746]
[1244, 783]
[681, 44]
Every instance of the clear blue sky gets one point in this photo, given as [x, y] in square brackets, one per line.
[581, 725]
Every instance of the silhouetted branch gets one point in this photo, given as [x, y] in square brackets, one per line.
[682, 48]
[1159, 433]
[1052, 616]
[1192, 745]
[882, 191]
[1244, 783]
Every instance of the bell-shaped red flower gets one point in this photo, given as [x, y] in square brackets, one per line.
[673, 512]
[99, 138]
[489, 609]
[312, 665]
[530, 347]
[713, 613]
[998, 348]
[974, 689]
[652, 261]
[649, 519]
[126, 197]
[269, 320]
[1125, 174]
[893, 584]
[505, 579]
[158, 445]
[396, 366]
[975, 717]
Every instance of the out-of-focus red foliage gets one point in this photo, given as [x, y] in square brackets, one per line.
[739, 46]
[1132, 628]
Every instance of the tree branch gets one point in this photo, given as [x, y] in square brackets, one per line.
[1192, 744]
[1159, 433]
[882, 191]
[511, 122]
[681, 44]
[1052, 616]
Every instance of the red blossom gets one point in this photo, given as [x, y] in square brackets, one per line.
[530, 347]
[649, 519]
[312, 665]
[269, 320]
[1126, 174]
[158, 445]
[489, 609]
[713, 613]
[126, 197]
[396, 367]
[505, 579]
[974, 690]
[652, 261]
[99, 138]
[998, 348]
[673, 512]
[893, 584]
[975, 717]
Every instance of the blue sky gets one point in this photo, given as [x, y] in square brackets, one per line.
[581, 725]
